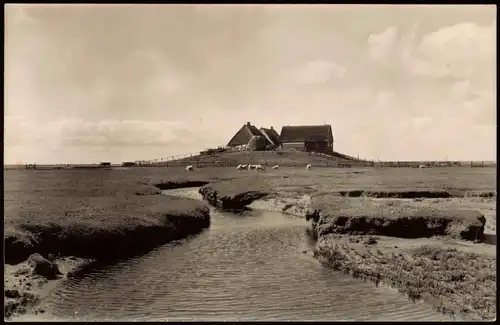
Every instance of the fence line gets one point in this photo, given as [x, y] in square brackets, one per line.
[326, 164]
[212, 160]
[433, 164]
[165, 159]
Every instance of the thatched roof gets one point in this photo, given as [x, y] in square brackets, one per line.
[306, 133]
[271, 135]
[257, 143]
[253, 129]
[241, 138]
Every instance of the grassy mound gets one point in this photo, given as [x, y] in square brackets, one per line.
[170, 185]
[415, 193]
[331, 214]
[234, 194]
[265, 158]
[101, 227]
[400, 194]
[455, 281]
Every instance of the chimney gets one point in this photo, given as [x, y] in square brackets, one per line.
[248, 123]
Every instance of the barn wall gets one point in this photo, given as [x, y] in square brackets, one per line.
[293, 145]
[317, 146]
[330, 139]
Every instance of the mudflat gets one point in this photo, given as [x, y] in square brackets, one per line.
[454, 209]
[89, 215]
[74, 212]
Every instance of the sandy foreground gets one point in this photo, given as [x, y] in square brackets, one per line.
[24, 290]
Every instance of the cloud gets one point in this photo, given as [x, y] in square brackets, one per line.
[472, 104]
[460, 90]
[449, 72]
[133, 133]
[74, 140]
[21, 131]
[87, 81]
[384, 100]
[319, 72]
[420, 123]
[463, 50]
[382, 44]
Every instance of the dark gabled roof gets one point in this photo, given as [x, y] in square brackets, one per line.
[243, 138]
[306, 133]
[271, 135]
[253, 129]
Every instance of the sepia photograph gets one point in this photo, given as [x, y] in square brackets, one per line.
[249, 162]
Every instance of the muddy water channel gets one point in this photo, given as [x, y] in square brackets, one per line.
[256, 265]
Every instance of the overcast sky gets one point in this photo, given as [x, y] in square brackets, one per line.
[85, 83]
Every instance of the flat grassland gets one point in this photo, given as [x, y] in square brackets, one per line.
[92, 206]
[58, 197]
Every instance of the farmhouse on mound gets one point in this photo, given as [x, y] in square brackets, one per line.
[318, 138]
[249, 136]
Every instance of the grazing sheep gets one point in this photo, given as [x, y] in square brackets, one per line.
[259, 167]
[308, 166]
[244, 166]
[422, 166]
[250, 167]
[276, 167]
[189, 168]
[239, 167]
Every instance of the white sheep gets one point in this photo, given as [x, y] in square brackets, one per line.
[276, 167]
[250, 167]
[308, 166]
[422, 166]
[244, 166]
[189, 168]
[239, 167]
[259, 167]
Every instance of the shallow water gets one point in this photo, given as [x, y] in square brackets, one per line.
[254, 266]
